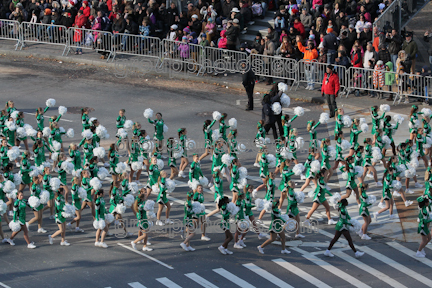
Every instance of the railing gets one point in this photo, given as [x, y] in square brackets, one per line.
[196, 59]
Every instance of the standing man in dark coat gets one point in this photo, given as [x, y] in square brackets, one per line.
[249, 84]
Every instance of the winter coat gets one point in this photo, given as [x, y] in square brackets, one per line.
[378, 76]
[330, 85]
[389, 75]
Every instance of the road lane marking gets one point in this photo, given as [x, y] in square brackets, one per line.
[136, 285]
[233, 278]
[201, 281]
[410, 253]
[145, 255]
[61, 119]
[168, 283]
[268, 276]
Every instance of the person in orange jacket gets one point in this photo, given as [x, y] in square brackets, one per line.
[310, 56]
[330, 89]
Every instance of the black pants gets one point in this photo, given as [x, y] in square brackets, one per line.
[249, 92]
[279, 124]
[273, 127]
[331, 102]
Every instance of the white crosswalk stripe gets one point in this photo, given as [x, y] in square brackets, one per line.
[201, 281]
[168, 283]
[297, 271]
[263, 273]
[410, 253]
[233, 278]
[136, 285]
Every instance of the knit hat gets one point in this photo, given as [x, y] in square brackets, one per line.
[183, 38]
[48, 11]
[174, 26]
[236, 21]
[187, 30]
[195, 16]
[329, 30]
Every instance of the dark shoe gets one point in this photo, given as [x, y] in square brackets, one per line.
[390, 99]
[248, 109]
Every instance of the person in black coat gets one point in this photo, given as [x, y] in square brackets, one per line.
[267, 115]
[248, 81]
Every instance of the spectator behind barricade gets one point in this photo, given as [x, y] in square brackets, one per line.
[366, 35]
[306, 19]
[119, 25]
[17, 15]
[360, 24]
[344, 41]
[352, 36]
[232, 34]
[310, 55]
[330, 44]
[195, 25]
[183, 21]
[284, 33]
[172, 35]
[279, 24]
[222, 42]
[356, 82]
[285, 50]
[292, 35]
[184, 48]
[256, 44]
[46, 19]
[341, 20]
[273, 35]
[67, 20]
[394, 45]
[85, 8]
[379, 38]
[378, 78]
[227, 6]
[342, 60]
[235, 14]
[203, 41]
[356, 58]
[312, 39]
[390, 79]
[402, 82]
[411, 49]
[368, 55]
[269, 50]
[320, 27]
[210, 29]
[384, 54]
[192, 11]
[299, 27]
[246, 13]
[172, 14]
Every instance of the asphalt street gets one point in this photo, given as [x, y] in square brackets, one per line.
[30, 82]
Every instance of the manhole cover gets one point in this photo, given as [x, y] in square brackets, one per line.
[77, 110]
[204, 114]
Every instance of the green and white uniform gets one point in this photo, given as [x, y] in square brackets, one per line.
[277, 223]
[225, 224]
[270, 190]
[241, 213]
[162, 198]
[263, 166]
[62, 173]
[424, 221]
[100, 209]
[153, 175]
[325, 162]
[116, 198]
[321, 191]
[88, 152]
[46, 185]
[76, 159]
[188, 214]
[343, 223]
[354, 134]
[363, 210]
[113, 161]
[59, 205]
[287, 126]
[25, 170]
[141, 215]
[286, 177]
[222, 129]
[313, 136]
[292, 209]
[19, 210]
[85, 184]
[208, 135]
[376, 121]
[35, 191]
[218, 185]
[349, 169]
[387, 195]
[195, 171]
[159, 128]
[200, 198]
[234, 179]
[367, 161]
[125, 187]
[85, 121]
[248, 204]
[307, 165]
[76, 200]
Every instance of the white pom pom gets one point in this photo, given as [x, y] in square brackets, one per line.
[401, 168]
[10, 125]
[14, 226]
[68, 167]
[120, 208]
[387, 141]
[34, 201]
[160, 164]
[203, 181]
[50, 102]
[99, 152]
[356, 226]
[13, 154]
[299, 143]
[227, 159]
[216, 135]
[190, 144]
[299, 196]
[62, 130]
[56, 145]
[68, 211]
[21, 132]
[55, 183]
[217, 115]
[267, 205]
[178, 153]
[30, 132]
[384, 108]
[17, 179]
[364, 128]
[128, 200]
[70, 133]
[149, 205]
[271, 159]
[286, 154]
[165, 129]
[414, 163]
[12, 194]
[428, 142]
[277, 108]
[282, 87]
[232, 208]
[345, 145]
[3, 207]
[35, 171]
[137, 165]
[259, 204]
[315, 166]
[87, 134]
[299, 111]
[148, 113]
[241, 147]
[62, 110]
[331, 152]
[82, 193]
[344, 175]
[285, 100]
[410, 172]
[371, 199]
[255, 193]
[197, 208]
[122, 133]
[358, 170]
[46, 132]
[148, 146]
[242, 172]
[109, 218]
[334, 199]
[242, 183]
[298, 169]
[416, 124]
[155, 188]
[324, 118]
[102, 132]
[54, 156]
[8, 186]
[193, 184]
[133, 187]
[347, 122]
[128, 125]
[285, 217]
[95, 183]
[170, 185]
[426, 112]
[99, 224]
[14, 115]
[232, 123]
[376, 154]
[398, 118]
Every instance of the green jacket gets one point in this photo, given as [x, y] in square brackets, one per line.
[410, 48]
[389, 76]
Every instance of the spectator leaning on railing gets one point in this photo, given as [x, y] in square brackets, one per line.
[411, 49]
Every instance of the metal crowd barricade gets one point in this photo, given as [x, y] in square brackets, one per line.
[412, 86]
[136, 45]
[274, 67]
[180, 56]
[312, 73]
[43, 33]
[362, 79]
[10, 30]
[224, 60]
[81, 38]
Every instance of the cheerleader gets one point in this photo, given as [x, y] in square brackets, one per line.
[100, 215]
[217, 188]
[263, 171]
[46, 186]
[420, 141]
[162, 200]
[232, 143]
[143, 223]
[286, 177]
[423, 226]
[286, 124]
[10, 107]
[120, 121]
[88, 150]
[234, 179]
[136, 129]
[339, 125]
[85, 184]
[60, 220]
[77, 203]
[85, 118]
[311, 128]
[364, 211]
[392, 162]
[10, 134]
[20, 123]
[351, 184]
[153, 175]
[389, 129]
[56, 134]
[116, 198]
[7, 175]
[320, 199]
[158, 124]
[195, 169]
[413, 121]
[249, 213]
[378, 142]
[342, 228]
[240, 217]
[292, 209]
[3, 118]
[125, 184]
[224, 225]
[277, 227]
[113, 161]
[133, 157]
[37, 211]
[292, 144]
[75, 155]
[367, 162]
[310, 175]
[208, 138]
[172, 163]
[144, 152]
[62, 173]
[260, 140]
[39, 150]
[189, 223]
[339, 157]
[199, 197]
[325, 158]
[25, 171]
[427, 133]
[222, 127]
[270, 192]
[354, 134]
[408, 156]
[387, 195]
[358, 160]
[184, 161]
[19, 216]
[6, 201]
[280, 146]
[376, 119]
[218, 152]
[3, 153]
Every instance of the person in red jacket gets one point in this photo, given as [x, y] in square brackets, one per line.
[81, 21]
[299, 26]
[85, 8]
[330, 89]
[356, 57]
